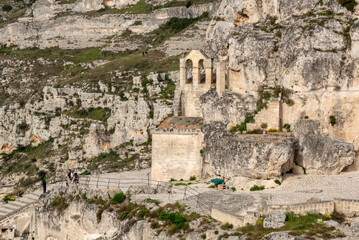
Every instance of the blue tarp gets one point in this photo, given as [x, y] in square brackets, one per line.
[217, 181]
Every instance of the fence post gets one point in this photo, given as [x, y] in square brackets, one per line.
[148, 179]
[98, 178]
[88, 181]
[198, 200]
[170, 192]
[108, 184]
[184, 195]
[119, 181]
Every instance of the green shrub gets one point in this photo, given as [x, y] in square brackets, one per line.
[192, 178]
[174, 218]
[201, 152]
[59, 204]
[249, 119]
[155, 201]
[216, 232]
[287, 126]
[306, 117]
[119, 197]
[233, 189]
[242, 127]
[85, 173]
[289, 102]
[277, 182]
[332, 120]
[227, 226]
[348, 4]
[264, 125]
[256, 188]
[6, 8]
[304, 170]
[203, 236]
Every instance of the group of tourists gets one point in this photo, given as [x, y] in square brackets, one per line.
[70, 179]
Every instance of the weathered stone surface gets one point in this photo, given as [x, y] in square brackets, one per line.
[274, 219]
[230, 108]
[46, 29]
[320, 154]
[252, 156]
[280, 236]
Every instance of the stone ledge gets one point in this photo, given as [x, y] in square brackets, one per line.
[176, 131]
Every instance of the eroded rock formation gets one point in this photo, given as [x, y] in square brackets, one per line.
[249, 156]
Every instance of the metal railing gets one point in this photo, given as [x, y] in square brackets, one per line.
[123, 184]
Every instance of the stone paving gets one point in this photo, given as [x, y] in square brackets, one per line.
[7, 209]
[294, 188]
[301, 188]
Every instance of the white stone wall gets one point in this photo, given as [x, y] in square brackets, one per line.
[176, 154]
[190, 100]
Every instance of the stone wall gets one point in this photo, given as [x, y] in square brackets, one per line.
[176, 154]
[252, 156]
[349, 207]
[191, 100]
[234, 219]
[303, 208]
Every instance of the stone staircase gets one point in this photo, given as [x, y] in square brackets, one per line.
[271, 72]
[177, 103]
[10, 208]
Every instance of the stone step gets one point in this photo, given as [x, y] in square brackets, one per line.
[18, 203]
[27, 200]
[33, 196]
[5, 210]
[11, 207]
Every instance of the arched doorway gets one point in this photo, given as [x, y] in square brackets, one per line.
[202, 71]
[189, 70]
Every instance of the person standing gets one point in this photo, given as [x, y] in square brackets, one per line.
[69, 176]
[75, 179]
[43, 180]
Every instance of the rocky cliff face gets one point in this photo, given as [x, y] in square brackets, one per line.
[231, 108]
[80, 220]
[89, 107]
[309, 49]
[320, 154]
[80, 126]
[77, 213]
[229, 155]
[51, 24]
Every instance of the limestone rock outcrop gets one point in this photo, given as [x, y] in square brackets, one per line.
[228, 155]
[47, 28]
[274, 219]
[80, 220]
[230, 108]
[320, 154]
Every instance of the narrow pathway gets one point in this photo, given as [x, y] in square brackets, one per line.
[7, 209]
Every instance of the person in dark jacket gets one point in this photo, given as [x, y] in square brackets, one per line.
[43, 180]
[69, 176]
